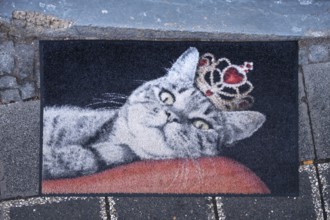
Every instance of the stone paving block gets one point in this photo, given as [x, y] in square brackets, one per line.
[25, 57]
[6, 57]
[37, 72]
[317, 78]
[28, 90]
[324, 170]
[3, 36]
[63, 208]
[306, 206]
[36, 63]
[162, 208]
[303, 56]
[9, 95]
[306, 151]
[19, 151]
[7, 82]
[319, 53]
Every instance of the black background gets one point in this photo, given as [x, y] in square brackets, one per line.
[76, 72]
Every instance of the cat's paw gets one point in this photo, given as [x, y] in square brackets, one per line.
[69, 161]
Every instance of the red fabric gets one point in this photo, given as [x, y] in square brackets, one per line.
[206, 175]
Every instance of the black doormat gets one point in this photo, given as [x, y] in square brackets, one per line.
[148, 117]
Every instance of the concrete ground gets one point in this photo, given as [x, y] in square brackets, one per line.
[20, 111]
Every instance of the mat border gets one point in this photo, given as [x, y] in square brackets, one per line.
[296, 78]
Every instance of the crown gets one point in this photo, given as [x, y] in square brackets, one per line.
[228, 89]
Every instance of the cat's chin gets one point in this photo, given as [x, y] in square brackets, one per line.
[174, 138]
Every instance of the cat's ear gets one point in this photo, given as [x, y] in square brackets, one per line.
[184, 68]
[242, 124]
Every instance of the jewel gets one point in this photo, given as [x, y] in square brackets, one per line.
[248, 65]
[232, 76]
[202, 62]
[243, 104]
[208, 93]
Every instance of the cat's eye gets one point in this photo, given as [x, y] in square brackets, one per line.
[167, 97]
[201, 124]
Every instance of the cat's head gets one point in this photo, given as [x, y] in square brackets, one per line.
[171, 118]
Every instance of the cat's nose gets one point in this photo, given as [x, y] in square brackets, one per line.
[172, 117]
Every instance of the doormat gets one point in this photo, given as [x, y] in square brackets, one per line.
[190, 118]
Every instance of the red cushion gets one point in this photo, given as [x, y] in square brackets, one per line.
[206, 175]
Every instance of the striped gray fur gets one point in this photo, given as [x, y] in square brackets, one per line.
[162, 119]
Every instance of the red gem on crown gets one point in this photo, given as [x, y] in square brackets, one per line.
[232, 76]
[202, 62]
[208, 93]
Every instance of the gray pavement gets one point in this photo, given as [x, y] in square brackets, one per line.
[317, 79]
[19, 151]
[324, 170]
[282, 18]
[306, 151]
[306, 206]
[140, 208]
[65, 208]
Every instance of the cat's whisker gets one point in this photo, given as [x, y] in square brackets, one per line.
[139, 81]
[93, 104]
[105, 99]
[200, 172]
[99, 100]
[186, 172]
[176, 175]
[183, 174]
[113, 95]
[110, 99]
[103, 103]
[115, 99]
[115, 102]
[180, 172]
[183, 183]
[196, 164]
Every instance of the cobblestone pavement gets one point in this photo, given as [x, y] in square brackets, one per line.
[19, 135]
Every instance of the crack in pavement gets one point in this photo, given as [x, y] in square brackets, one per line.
[2, 180]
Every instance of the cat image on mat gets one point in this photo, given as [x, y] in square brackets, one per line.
[193, 111]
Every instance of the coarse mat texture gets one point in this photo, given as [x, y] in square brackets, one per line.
[180, 117]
